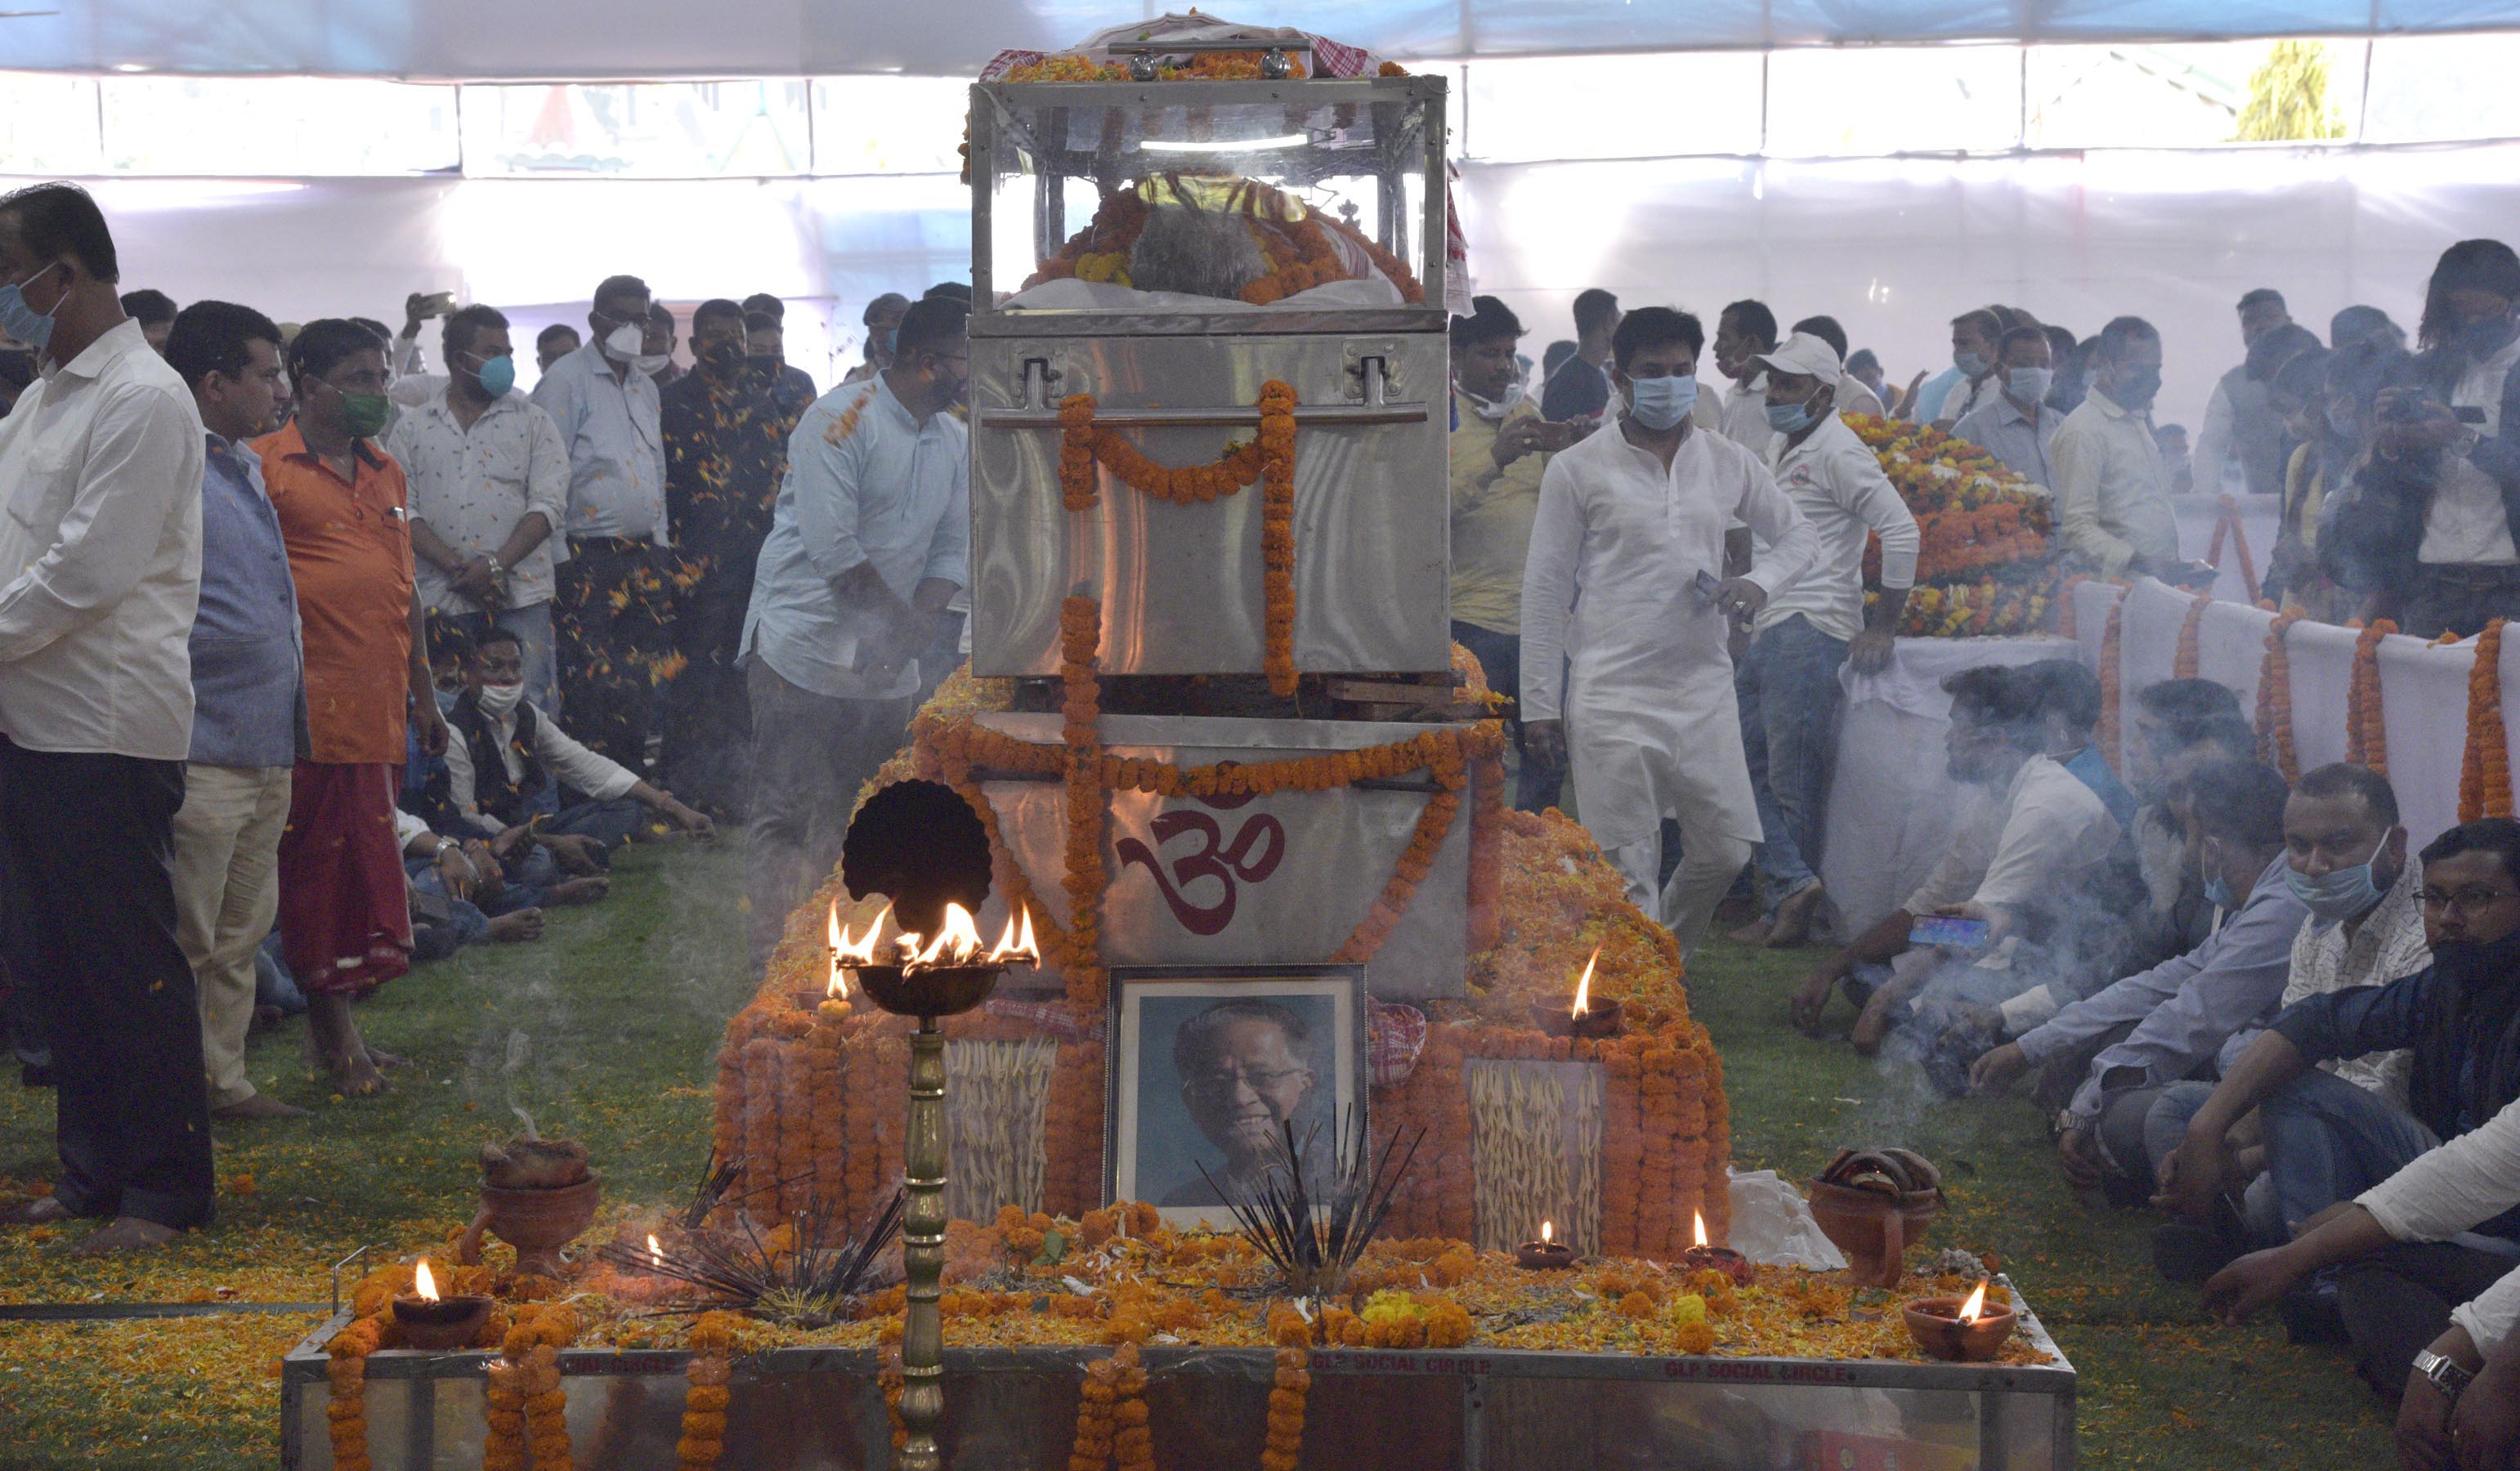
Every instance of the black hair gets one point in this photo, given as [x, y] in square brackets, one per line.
[2190, 701]
[2061, 342]
[495, 633]
[2264, 295]
[1197, 1039]
[767, 305]
[2354, 324]
[1554, 358]
[2120, 333]
[1489, 320]
[614, 287]
[2357, 372]
[2270, 352]
[889, 302]
[2236, 738]
[931, 322]
[149, 306]
[657, 311]
[62, 219]
[1660, 326]
[2339, 778]
[2304, 377]
[2004, 344]
[449, 645]
[323, 343]
[2496, 835]
[2240, 800]
[543, 339]
[1999, 697]
[1595, 309]
[2066, 690]
[764, 322]
[2471, 264]
[714, 309]
[1827, 331]
[213, 337]
[1991, 322]
[462, 327]
[949, 291]
[2013, 316]
[378, 330]
[1861, 359]
[1754, 317]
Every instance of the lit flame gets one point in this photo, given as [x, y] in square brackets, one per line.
[851, 950]
[1975, 1304]
[1584, 990]
[958, 944]
[423, 1283]
[1016, 947]
[1701, 1226]
[655, 1253]
[1545, 1228]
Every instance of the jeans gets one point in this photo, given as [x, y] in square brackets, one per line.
[437, 939]
[2328, 1141]
[1788, 691]
[1500, 656]
[610, 823]
[2165, 1128]
[810, 754]
[2397, 1300]
[2458, 599]
[533, 627]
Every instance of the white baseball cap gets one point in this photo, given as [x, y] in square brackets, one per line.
[1805, 355]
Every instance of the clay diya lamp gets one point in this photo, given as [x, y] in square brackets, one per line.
[1875, 1205]
[537, 1195]
[1962, 1331]
[1724, 1259]
[1586, 1017]
[435, 1323]
[1546, 1254]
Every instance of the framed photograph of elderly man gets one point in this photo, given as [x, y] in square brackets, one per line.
[1209, 1065]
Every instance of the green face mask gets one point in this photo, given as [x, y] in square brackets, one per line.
[363, 415]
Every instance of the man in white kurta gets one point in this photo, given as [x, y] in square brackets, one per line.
[1628, 531]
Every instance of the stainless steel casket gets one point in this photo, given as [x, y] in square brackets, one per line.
[1180, 586]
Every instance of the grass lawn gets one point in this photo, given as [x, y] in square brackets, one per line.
[607, 1031]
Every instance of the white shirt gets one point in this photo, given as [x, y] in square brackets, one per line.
[2481, 387]
[101, 555]
[1837, 482]
[1856, 397]
[473, 486]
[615, 442]
[1745, 415]
[2112, 490]
[2453, 1187]
[2388, 946]
[867, 482]
[556, 751]
[2023, 848]
[1616, 548]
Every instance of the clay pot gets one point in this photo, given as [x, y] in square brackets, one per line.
[536, 1222]
[1872, 1227]
[1934, 1323]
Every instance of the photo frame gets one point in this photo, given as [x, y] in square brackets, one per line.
[1268, 1023]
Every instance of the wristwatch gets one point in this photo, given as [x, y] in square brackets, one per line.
[2446, 1373]
[498, 568]
[446, 845]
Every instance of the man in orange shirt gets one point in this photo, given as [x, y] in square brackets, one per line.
[344, 915]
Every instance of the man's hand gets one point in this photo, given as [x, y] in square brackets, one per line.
[2484, 1427]
[1996, 918]
[416, 309]
[1906, 403]
[484, 862]
[2192, 1174]
[2423, 1426]
[1741, 598]
[1544, 742]
[456, 871]
[478, 580]
[431, 725]
[1520, 437]
[1871, 650]
[575, 852]
[2249, 1283]
[693, 822]
[1996, 1072]
[2433, 427]
[2077, 1152]
[508, 839]
[1811, 997]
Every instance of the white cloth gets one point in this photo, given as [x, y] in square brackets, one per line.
[409, 830]
[2481, 385]
[2112, 493]
[101, 555]
[2451, 1189]
[1616, 548]
[1746, 415]
[867, 482]
[615, 442]
[2465, 523]
[560, 755]
[1835, 481]
[2055, 829]
[2389, 946]
[472, 487]
[1856, 397]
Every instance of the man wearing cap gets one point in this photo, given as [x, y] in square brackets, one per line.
[1786, 683]
[1625, 583]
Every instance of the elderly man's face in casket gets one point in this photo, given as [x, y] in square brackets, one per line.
[1251, 1083]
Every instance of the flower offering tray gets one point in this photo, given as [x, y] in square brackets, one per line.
[1015, 1410]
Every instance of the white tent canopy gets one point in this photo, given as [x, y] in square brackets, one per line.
[483, 40]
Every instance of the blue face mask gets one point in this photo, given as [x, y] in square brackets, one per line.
[1658, 403]
[1790, 419]
[2219, 894]
[2339, 893]
[496, 375]
[1971, 364]
[22, 321]
[2029, 384]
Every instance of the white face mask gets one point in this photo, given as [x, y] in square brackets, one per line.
[651, 363]
[622, 344]
[502, 699]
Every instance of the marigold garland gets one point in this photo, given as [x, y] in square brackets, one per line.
[1080, 635]
[2275, 701]
[2183, 662]
[2112, 732]
[2485, 769]
[347, 1408]
[2367, 734]
[1112, 1416]
[2067, 620]
[1284, 1445]
[706, 1396]
[524, 1400]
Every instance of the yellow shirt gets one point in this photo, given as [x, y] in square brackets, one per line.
[1492, 512]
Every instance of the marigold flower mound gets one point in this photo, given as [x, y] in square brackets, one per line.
[1986, 565]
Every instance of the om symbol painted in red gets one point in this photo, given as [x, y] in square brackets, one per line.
[1250, 856]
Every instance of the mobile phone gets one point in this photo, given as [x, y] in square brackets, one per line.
[1707, 588]
[2468, 413]
[437, 303]
[1948, 930]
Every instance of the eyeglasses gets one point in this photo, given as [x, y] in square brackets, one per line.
[2465, 901]
[1212, 1083]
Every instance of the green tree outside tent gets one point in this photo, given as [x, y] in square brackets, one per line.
[2288, 96]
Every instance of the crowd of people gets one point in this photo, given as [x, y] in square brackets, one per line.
[314, 665]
